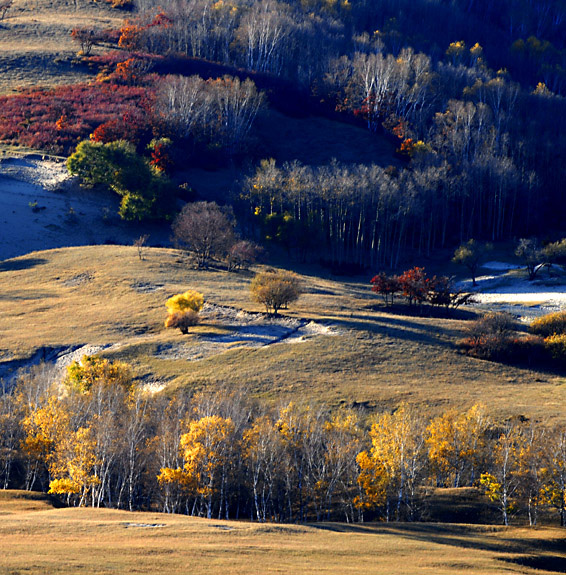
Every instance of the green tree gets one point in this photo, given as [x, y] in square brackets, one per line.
[145, 192]
[471, 254]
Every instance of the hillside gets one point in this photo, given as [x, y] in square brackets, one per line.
[106, 296]
[38, 539]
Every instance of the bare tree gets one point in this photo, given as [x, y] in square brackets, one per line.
[205, 229]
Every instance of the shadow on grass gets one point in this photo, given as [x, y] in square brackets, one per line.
[21, 264]
[397, 328]
[541, 552]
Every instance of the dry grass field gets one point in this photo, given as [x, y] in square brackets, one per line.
[104, 295]
[36, 48]
[36, 538]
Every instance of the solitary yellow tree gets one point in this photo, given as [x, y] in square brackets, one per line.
[183, 310]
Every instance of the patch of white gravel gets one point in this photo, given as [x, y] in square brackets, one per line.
[251, 330]
[524, 299]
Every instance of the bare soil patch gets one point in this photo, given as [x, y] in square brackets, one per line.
[41, 207]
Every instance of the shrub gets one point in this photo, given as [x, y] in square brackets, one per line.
[489, 336]
[242, 255]
[189, 301]
[93, 370]
[183, 310]
[275, 289]
[145, 193]
[54, 120]
[550, 324]
[556, 346]
[182, 320]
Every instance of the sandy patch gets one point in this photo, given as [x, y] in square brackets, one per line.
[246, 329]
[42, 207]
[524, 299]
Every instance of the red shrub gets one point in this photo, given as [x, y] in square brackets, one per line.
[55, 120]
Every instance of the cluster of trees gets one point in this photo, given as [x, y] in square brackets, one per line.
[145, 191]
[207, 230]
[105, 442]
[418, 288]
[362, 214]
[216, 112]
[482, 151]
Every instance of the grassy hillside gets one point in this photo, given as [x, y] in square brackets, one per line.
[38, 539]
[101, 295]
[36, 48]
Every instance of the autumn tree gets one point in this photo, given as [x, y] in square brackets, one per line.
[393, 467]
[455, 444]
[502, 484]
[205, 229]
[93, 370]
[204, 449]
[275, 289]
[385, 285]
[183, 310]
[471, 254]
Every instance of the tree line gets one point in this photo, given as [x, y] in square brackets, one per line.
[99, 439]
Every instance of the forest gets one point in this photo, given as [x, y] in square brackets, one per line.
[470, 94]
[97, 439]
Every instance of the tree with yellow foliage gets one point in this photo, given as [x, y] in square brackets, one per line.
[183, 310]
[455, 443]
[93, 370]
[395, 462]
[204, 448]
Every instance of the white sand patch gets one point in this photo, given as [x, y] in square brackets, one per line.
[42, 207]
[250, 330]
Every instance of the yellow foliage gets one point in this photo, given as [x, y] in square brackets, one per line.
[190, 300]
[92, 370]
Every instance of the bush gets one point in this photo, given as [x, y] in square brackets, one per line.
[556, 346]
[189, 301]
[242, 255]
[145, 193]
[489, 337]
[550, 324]
[275, 289]
[183, 310]
[182, 320]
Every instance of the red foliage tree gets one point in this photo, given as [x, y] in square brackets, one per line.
[387, 286]
[415, 285]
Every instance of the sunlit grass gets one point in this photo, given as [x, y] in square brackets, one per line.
[38, 539]
[103, 295]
